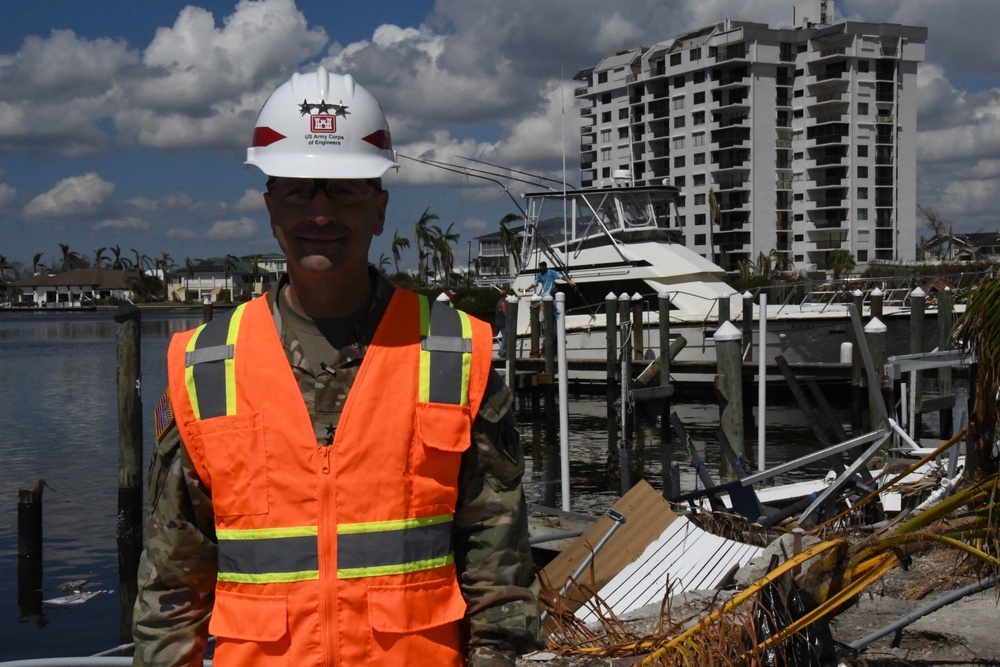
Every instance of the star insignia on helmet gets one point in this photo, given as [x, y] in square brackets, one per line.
[323, 106]
[339, 109]
[306, 107]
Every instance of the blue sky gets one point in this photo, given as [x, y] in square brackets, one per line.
[125, 123]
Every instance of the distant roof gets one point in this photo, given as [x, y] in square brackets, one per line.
[97, 278]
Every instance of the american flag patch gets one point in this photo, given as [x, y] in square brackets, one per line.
[163, 415]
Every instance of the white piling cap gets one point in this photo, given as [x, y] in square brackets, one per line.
[727, 331]
[611, 296]
[876, 326]
[443, 296]
[876, 292]
[623, 296]
[747, 295]
[858, 292]
[917, 293]
[637, 297]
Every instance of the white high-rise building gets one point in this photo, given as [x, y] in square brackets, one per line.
[790, 143]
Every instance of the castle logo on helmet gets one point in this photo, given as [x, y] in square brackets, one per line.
[323, 123]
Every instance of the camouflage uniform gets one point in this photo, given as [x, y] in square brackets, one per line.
[178, 566]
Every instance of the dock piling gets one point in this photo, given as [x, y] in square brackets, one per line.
[729, 381]
[666, 447]
[29, 550]
[917, 302]
[946, 320]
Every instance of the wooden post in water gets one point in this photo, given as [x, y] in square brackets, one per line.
[624, 462]
[917, 302]
[510, 335]
[533, 312]
[127, 359]
[723, 308]
[206, 308]
[638, 334]
[876, 334]
[611, 332]
[857, 373]
[666, 447]
[946, 320]
[29, 550]
[875, 300]
[729, 383]
[748, 327]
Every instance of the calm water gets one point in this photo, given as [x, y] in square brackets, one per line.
[58, 422]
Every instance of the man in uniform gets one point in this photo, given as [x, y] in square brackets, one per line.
[337, 475]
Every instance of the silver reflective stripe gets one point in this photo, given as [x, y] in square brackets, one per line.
[358, 551]
[208, 366]
[446, 360]
[268, 558]
[209, 354]
[442, 344]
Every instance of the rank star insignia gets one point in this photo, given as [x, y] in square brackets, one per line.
[339, 109]
[306, 107]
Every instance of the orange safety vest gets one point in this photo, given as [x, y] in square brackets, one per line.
[338, 555]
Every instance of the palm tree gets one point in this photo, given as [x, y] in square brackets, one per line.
[979, 328]
[188, 275]
[229, 266]
[425, 240]
[840, 260]
[119, 263]
[398, 243]
[99, 257]
[164, 263]
[511, 242]
[383, 263]
[444, 253]
[36, 263]
[70, 258]
[5, 268]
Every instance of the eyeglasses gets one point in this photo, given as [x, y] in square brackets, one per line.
[300, 191]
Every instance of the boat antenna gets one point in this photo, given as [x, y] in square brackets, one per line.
[517, 171]
[465, 171]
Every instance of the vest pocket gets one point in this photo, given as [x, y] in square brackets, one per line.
[255, 618]
[236, 458]
[415, 607]
[444, 432]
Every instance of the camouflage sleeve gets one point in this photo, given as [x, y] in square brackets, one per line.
[177, 569]
[491, 538]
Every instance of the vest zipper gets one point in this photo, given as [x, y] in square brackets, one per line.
[328, 567]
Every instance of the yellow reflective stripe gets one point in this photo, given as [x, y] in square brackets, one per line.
[425, 355]
[466, 358]
[398, 524]
[273, 578]
[234, 329]
[189, 374]
[266, 533]
[403, 568]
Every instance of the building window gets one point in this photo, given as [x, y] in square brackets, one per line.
[862, 214]
[799, 258]
[862, 255]
[699, 239]
[699, 199]
[863, 65]
[862, 151]
[679, 121]
[606, 117]
[699, 139]
[675, 59]
[606, 172]
[678, 142]
[862, 171]
[798, 93]
[797, 113]
[698, 118]
[605, 136]
[605, 154]
[623, 133]
[799, 238]
[602, 77]
[699, 98]
[678, 82]
[680, 182]
[698, 179]
[698, 77]
[681, 221]
[694, 54]
[606, 98]
[699, 158]
[679, 163]
[862, 108]
[862, 193]
[622, 114]
[699, 219]
[678, 103]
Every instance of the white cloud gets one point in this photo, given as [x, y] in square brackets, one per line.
[180, 234]
[120, 225]
[72, 198]
[227, 230]
[252, 200]
[7, 195]
[178, 201]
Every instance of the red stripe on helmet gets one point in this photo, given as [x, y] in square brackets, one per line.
[265, 136]
[380, 139]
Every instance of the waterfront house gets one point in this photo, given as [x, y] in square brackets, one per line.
[77, 288]
[226, 278]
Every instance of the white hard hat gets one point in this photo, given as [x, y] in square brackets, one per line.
[321, 125]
